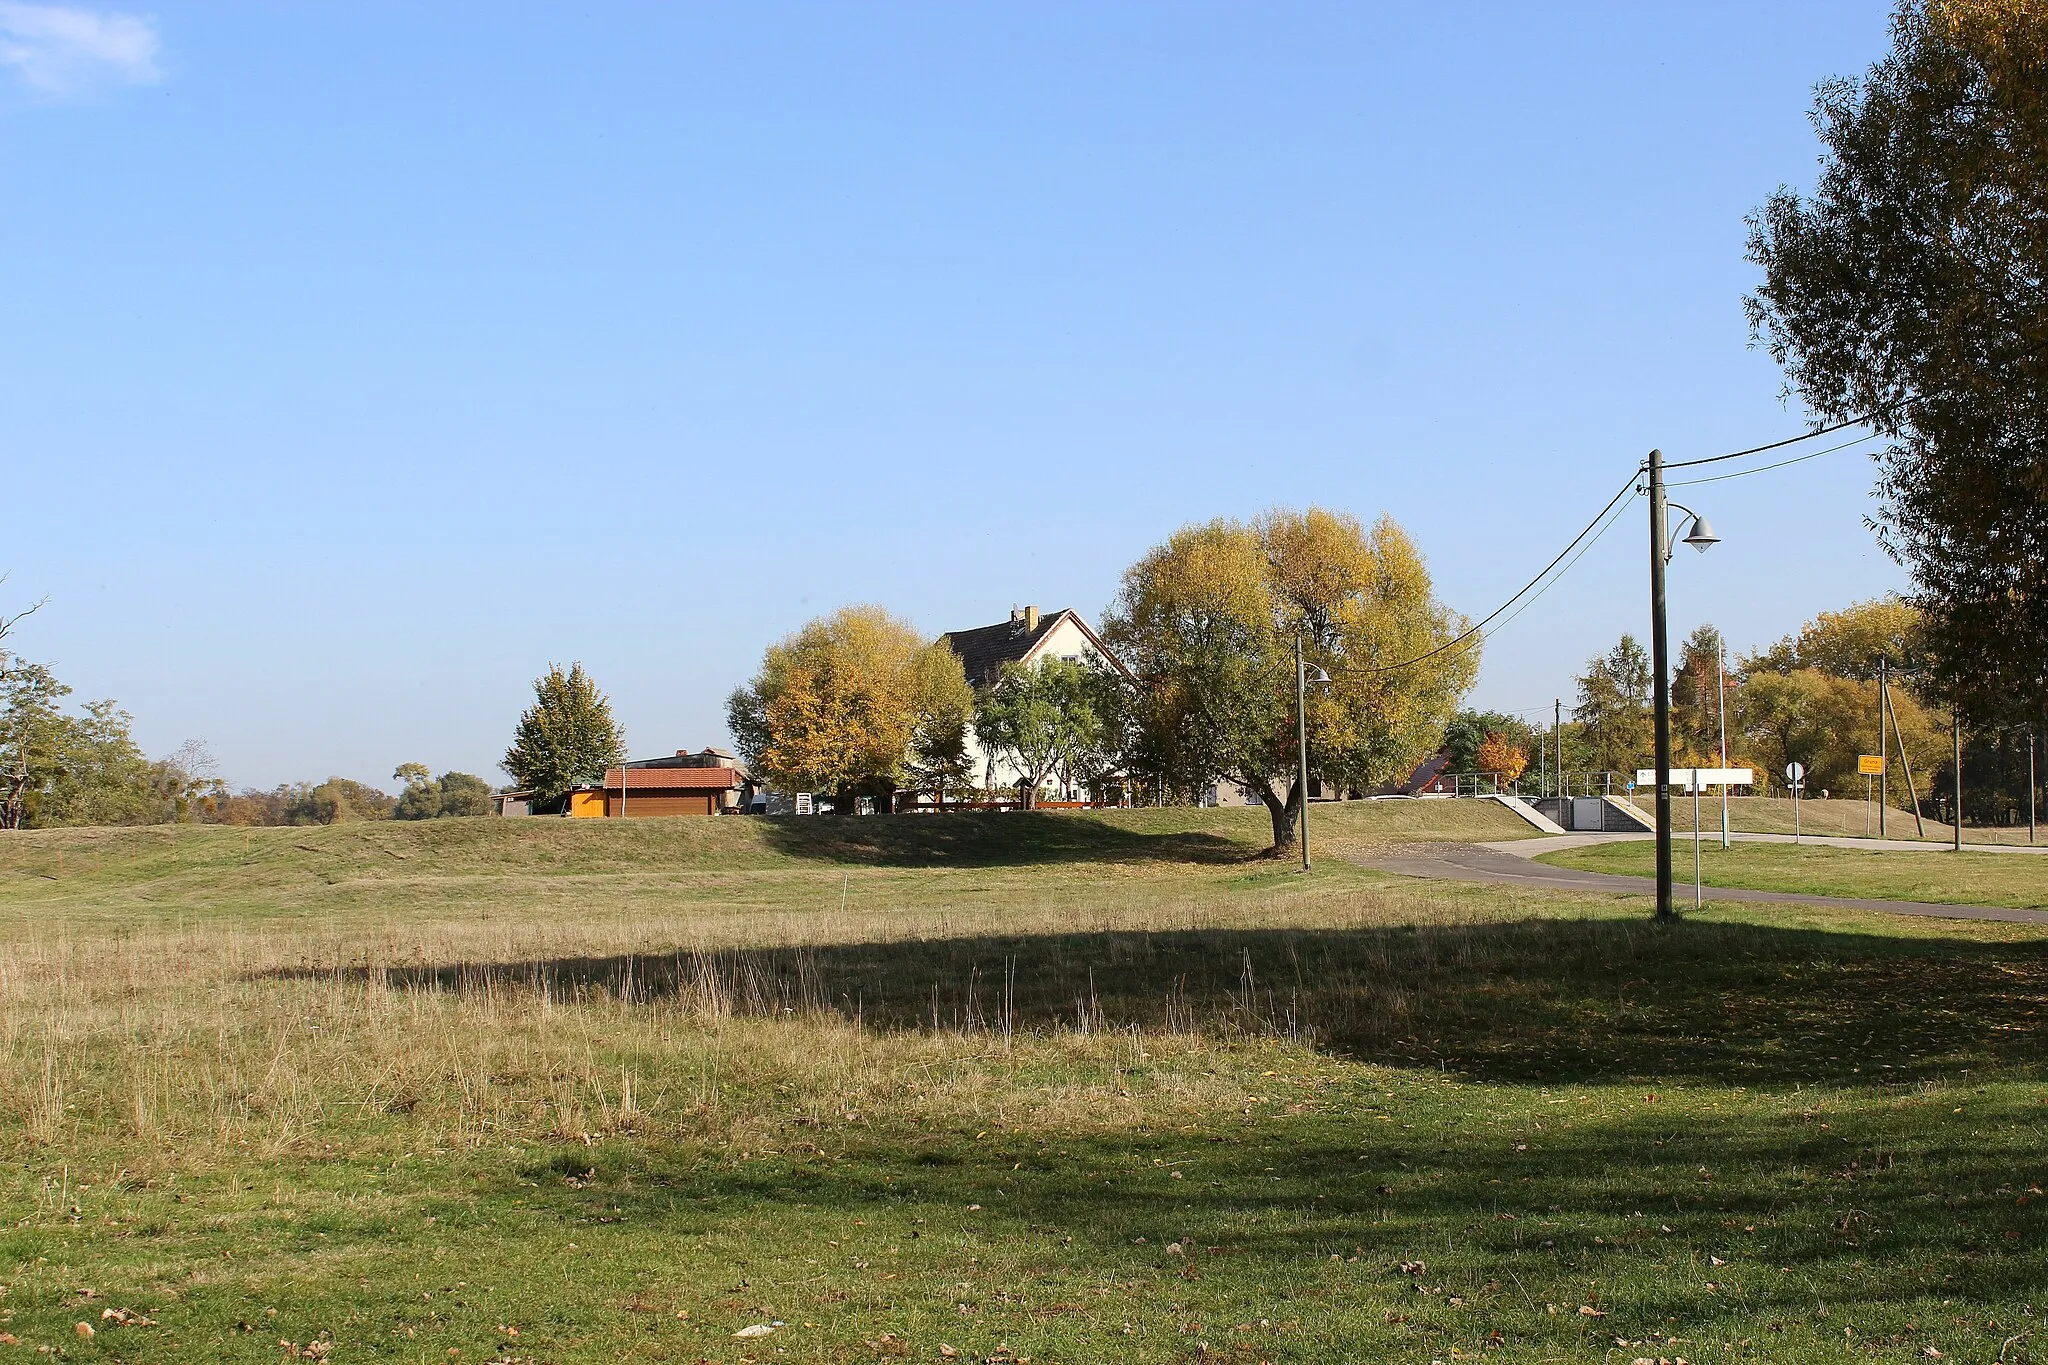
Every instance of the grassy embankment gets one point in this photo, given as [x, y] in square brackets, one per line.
[1842, 815]
[2005, 879]
[1067, 1088]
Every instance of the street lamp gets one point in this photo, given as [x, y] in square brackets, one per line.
[1662, 546]
[1304, 674]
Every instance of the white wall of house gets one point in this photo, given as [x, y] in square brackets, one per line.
[1066, 640]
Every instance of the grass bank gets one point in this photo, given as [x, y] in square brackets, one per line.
[1843, 814]
[1949, 878]
[541, 1091]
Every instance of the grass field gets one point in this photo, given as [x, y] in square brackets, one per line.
[1064, 1088]
[1945, 877]
[1848, 816]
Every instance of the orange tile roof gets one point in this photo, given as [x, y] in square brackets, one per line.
[673, 779]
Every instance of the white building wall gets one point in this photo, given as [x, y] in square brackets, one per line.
[1066, 640]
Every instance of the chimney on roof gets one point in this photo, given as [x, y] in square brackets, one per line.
[1031, 620]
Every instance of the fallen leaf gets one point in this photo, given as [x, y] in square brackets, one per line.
[1587, 1310]
[759, 1329]
[948, 1352]
[83, 1329]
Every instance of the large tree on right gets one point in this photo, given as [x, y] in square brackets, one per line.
[1912, 284]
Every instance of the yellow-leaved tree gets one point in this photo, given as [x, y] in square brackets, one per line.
[844, 704]
[1207, 624]
[1499, 754]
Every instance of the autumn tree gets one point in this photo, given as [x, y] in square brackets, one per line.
[1698, 685]
[1499, 754]
[1615, 728]
[836, 706]
[1469, 731]
[1849, 643]
[566, 739]
[1909, 286]
[1813, 698]
[1207, 624]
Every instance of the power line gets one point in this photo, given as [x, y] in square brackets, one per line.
[1763, 468]
[1480, 625]
[1788, 441]
[1602, 522]
[1568, 566]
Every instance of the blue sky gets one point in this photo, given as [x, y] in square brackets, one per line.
[358, 360]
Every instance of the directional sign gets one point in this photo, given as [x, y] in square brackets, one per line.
[1871, 765]
[1688, 778]
[1795, 773]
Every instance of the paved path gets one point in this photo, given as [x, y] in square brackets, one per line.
[1508, 864]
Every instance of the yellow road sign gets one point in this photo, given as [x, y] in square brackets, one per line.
[1872, 764]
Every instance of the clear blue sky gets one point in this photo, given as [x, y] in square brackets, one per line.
[357, 360]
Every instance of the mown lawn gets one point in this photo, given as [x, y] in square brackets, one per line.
[1847, 814]
[1060, 1088]
[2006, 879]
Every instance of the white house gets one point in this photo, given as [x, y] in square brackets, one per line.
[1028, 638]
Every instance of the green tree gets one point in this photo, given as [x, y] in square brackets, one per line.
[101, 777]
[566, 739]
[1207, 624]
[1616, 731]
[1910, 286]
[335, 801]
[938, 760]
[464, 794]
[32, 733]
[1042, 718]
[419, 796]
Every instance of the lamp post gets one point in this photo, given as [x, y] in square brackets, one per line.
[1701, 537]
[1304, 674]
[1721, 688]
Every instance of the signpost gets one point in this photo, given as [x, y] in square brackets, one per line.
[1870, 765]
[1795, 777]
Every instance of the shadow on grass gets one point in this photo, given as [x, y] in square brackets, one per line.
[988, 839]
[1896, 1213]
[1545, 1000]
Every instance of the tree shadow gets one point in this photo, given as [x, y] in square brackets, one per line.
[1011, 838]
[1538, 1000]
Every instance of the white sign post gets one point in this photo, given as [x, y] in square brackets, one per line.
[1795, 777]
[803, 803]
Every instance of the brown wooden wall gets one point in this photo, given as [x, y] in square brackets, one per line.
[648, 805]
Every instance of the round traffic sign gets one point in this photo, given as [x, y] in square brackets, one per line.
[1795, 773]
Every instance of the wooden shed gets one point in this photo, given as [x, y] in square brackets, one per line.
[640, 792]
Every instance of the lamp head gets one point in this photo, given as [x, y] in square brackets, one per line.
[1701, 536]
[1313, 674]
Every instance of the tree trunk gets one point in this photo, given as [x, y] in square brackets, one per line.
[1286, 813]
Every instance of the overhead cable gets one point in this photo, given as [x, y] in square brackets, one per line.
[1788, 441]
[1763, 468]
[1479, 626]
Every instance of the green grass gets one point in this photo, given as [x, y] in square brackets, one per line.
[1846, 814]
[2014, 880]
[1070, 1088]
